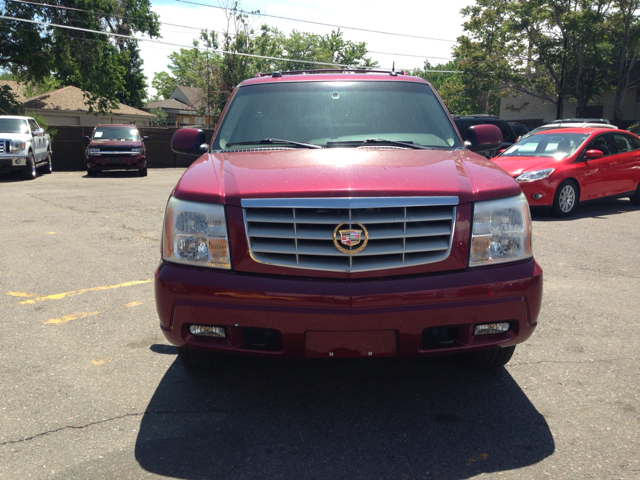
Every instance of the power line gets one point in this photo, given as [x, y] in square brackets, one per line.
[319, 23]
[160, 42]
[199, 29]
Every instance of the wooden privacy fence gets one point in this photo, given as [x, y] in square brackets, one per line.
[68, 147]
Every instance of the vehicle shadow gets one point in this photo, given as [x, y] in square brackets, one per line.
[380, 418]
[114, 174]
[600, 208]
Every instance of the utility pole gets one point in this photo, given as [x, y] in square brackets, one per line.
[559, 111]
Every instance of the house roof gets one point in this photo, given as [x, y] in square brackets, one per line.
[17, 88]
[195, 95]
[170, 104]
[72, 99]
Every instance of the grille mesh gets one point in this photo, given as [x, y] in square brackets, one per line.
[398, 235]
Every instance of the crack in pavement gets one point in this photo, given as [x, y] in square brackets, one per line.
[137, 414]
[605, 360]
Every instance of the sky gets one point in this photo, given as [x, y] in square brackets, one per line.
[438, 22]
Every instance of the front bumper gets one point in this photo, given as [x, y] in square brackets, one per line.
[116, 163]
[12, 162]
[393, 316]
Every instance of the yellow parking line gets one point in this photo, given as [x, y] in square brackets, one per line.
[59, 296]
[21, 294]
[132, 304]
[68, 318]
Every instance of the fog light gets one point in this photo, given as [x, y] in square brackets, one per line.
[491, 328]
[207, 331]
[18, 161]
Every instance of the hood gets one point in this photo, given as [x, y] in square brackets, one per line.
[229, 177]
[517, 165]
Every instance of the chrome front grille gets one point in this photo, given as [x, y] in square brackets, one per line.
[4, 146]
[299, 233]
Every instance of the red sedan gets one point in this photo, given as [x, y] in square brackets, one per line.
[559, 168]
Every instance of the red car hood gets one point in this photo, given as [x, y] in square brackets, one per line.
[229, 177]
[517, 165]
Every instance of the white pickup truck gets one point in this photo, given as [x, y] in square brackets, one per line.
[24, 146]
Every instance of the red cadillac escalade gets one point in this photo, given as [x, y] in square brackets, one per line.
[339, 214]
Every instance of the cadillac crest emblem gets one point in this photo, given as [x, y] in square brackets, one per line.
[345, 240]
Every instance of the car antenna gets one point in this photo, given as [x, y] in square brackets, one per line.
[393, 70]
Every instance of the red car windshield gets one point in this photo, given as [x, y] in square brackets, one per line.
[328, 114]
[556, 145]
[116, 133]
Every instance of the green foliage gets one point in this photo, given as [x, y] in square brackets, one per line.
[8, 103]
[218, 73]
[43, 123]
[161, 117]
[551, 49]
[108, 69]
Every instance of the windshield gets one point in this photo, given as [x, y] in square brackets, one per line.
[556, 145]
[329, 114]
[13, 125]
[116, 133]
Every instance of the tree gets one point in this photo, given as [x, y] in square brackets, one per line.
[107, 68]
[218, 64]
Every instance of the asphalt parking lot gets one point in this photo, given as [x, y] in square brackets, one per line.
[89, 388]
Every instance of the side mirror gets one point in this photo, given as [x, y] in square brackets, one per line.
[145, 138]
[484, 137]
[189, 141]
[38, 131]
[591, 154]
[86, 139]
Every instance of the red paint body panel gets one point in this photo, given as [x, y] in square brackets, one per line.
[606, 176]
[343, 172]
[295, 306]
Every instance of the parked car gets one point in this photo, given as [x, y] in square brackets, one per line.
[519, 129]
[24, 146]
[116, 147]
[338, 214]
[463, 123]
[560, 168]
[569, 124]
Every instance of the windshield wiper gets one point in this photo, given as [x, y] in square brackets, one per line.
[380, 140]
[272, 141]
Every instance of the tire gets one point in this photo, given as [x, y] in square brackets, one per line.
[488, 359]
[48, 168]
[635, 199]
[197, 360]
[143, 172]
[565, 200]
[29, 170]
[92, 172]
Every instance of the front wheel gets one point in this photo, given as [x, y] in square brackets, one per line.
[29, 170]
[143, 172]
[566, 199]
[489, 359]
[197, 360]
[48, 168]
[635, 199]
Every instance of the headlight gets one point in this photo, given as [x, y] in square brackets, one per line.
[18, 147]
[137, 150]
[501, 231]
[93, 150]
[535, 175]
[195, 234]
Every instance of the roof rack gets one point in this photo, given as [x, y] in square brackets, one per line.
[331, 70]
